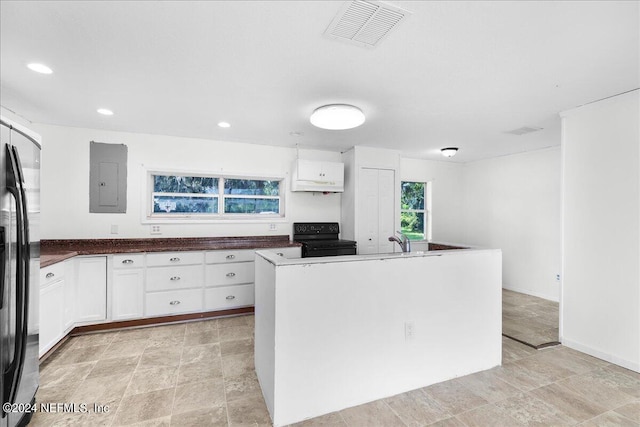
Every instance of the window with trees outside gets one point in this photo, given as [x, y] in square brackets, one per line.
[414, 212]
[215, 197]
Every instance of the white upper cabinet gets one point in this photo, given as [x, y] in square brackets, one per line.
[309, 175]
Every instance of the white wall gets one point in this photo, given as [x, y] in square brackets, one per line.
[65, 183]
[447, 196]
[600, 305]
[513, 203]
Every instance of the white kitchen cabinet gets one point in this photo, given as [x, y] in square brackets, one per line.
[127, 287]
[91, 288]
[310, 175]
[164, 259]
[225, 256]
[227, 297]
[229, 273]
[52, 307]
[174, 283]
[229, 279]
[288, 252]
[168, 303]
[309, 170]
[75, 292]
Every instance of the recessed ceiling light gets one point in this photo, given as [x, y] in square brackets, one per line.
[449, 151]
[39, 68]
[105, 112]
[224, 125]
[337, 117]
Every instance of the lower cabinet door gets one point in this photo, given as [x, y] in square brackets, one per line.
[127, 294]
[91, 288]
[51, 313]
[173, 302]
[226, 297]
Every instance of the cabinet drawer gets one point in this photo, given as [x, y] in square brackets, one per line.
[229, 274]
[226, 297]
[51, 273]
[173, 302]
[218, 257]
[290, 252]
[168, 278]
[128, 261]
[174, 258]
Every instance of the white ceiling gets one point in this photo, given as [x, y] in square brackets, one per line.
[453, 74]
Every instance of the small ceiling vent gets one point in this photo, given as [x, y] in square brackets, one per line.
[365, 23]
[523, 130]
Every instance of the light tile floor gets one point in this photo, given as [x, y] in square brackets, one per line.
[202, 374]
[530, 319]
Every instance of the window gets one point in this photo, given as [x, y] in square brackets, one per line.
[214, 197]
[414, 212]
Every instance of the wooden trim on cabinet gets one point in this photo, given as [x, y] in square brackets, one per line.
[152, 321]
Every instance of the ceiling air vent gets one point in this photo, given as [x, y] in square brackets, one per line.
[523, 130]
[365, 23]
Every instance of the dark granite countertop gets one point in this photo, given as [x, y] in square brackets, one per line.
[48, 258]
[53, 251]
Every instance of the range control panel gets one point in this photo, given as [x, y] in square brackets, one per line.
[315, 228]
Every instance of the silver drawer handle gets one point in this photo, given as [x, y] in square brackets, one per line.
[127, 261]
[175, 278]
[49, 275]
[174, 302]
[279, 253]
[231, 256]
[230, 297]
[174, 259]
[231, 274]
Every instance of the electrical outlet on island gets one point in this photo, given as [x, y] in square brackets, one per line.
[155, 229]
[273, 227]
[409, 331]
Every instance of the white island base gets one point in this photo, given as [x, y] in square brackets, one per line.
[336, 332]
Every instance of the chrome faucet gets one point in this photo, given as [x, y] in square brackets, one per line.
[403, 241]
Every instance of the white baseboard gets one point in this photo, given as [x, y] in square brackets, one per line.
[634, 366]
[555, 298]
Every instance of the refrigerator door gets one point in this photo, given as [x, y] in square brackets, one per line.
[20, 208]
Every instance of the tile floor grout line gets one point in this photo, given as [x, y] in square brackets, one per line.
[115, 416]
[384, 401]
[175, 386]
[224, 388]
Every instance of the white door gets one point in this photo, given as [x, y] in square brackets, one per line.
[376, 210]
[386, 210]
[368, 212]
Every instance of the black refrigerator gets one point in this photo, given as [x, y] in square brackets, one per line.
[19, 271]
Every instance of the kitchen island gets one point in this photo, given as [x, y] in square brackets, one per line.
[336, 332]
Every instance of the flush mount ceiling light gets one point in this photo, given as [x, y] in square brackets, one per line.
[39, 68]
[449, 151]
[337, 117]
[105, 112]
[224, 125]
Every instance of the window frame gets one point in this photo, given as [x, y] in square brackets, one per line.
[426, 211]
[155, 217]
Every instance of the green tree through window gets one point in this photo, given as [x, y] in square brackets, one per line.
[412, 210]
[186, 195]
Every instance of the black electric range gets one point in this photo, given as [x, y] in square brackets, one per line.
[321, 239]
